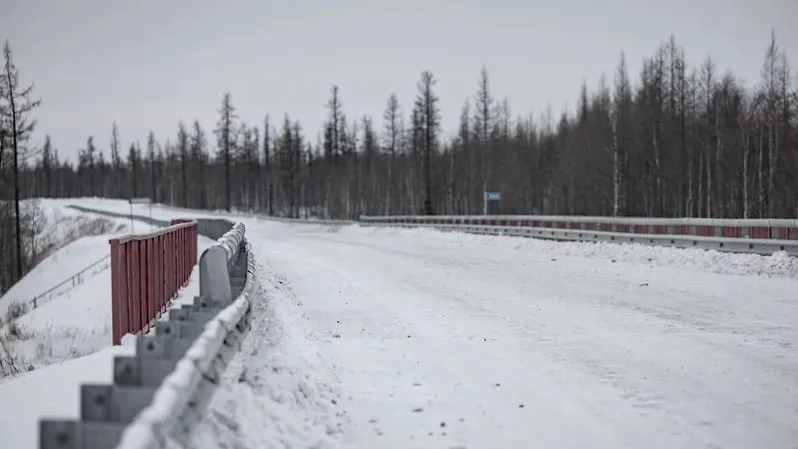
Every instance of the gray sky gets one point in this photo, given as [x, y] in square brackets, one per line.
[149, 63]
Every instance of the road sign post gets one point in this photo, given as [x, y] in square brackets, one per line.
[489, 196]
[133, 201]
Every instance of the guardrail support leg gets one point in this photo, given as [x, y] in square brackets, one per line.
[215, 275]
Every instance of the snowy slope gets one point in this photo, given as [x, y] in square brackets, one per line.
[80, 240]
[73, 320]
[76, 320]
[63, 264]
[418, 340]
[123, 207]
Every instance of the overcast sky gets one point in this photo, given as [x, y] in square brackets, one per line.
[149, 63]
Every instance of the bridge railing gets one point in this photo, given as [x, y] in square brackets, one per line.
[759, 236]
[147, 271]
[159, 394]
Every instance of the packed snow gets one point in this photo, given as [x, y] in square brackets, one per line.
[419, 339]
[414, 338]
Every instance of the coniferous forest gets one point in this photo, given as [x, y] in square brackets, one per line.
[688, 140]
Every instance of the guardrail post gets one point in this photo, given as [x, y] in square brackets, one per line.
[135, 322]
[117, 280]
[214, 274]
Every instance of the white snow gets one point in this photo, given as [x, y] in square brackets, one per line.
[123, 207]
[396, 338]
[279, 390]
[779, 264]
[426, 339]
[50, 392]
[81, 240]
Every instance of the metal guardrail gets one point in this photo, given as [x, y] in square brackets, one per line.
[781, 222]
[160, 394]
[779, 229]
[735, 245]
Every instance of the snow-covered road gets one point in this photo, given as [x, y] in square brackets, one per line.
[382, 338]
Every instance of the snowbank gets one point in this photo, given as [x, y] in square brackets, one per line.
[279, 390]
[777, 265]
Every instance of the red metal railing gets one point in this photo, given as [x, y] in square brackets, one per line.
[147, 270]
[778, 229]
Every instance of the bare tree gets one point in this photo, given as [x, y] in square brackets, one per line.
[225, 138]
[182, 148]
[267, 161]
[16, 109]
[116, 161]
[391, 117]
[198, 145]
[153, 166]
[134, 164]
[621, 125]
[47, 166]
[427, 105]
[483, 121]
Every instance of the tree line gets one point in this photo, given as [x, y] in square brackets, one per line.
[685, 141]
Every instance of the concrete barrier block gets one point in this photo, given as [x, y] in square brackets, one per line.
[71, 434]
[198, 317]
[202, 302]
[178, 314]
[162, 347]
[179, 329]
[117, 403]
[215, 275]
[136, 371]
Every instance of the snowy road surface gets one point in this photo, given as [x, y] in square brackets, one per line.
[384, 339]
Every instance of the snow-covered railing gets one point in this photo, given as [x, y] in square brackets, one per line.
[159, 394]
[759, 236]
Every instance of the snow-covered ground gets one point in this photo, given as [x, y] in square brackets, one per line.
[66, 340]
[77, 236]
[420, 339]
[424, 339]
[70, 320]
